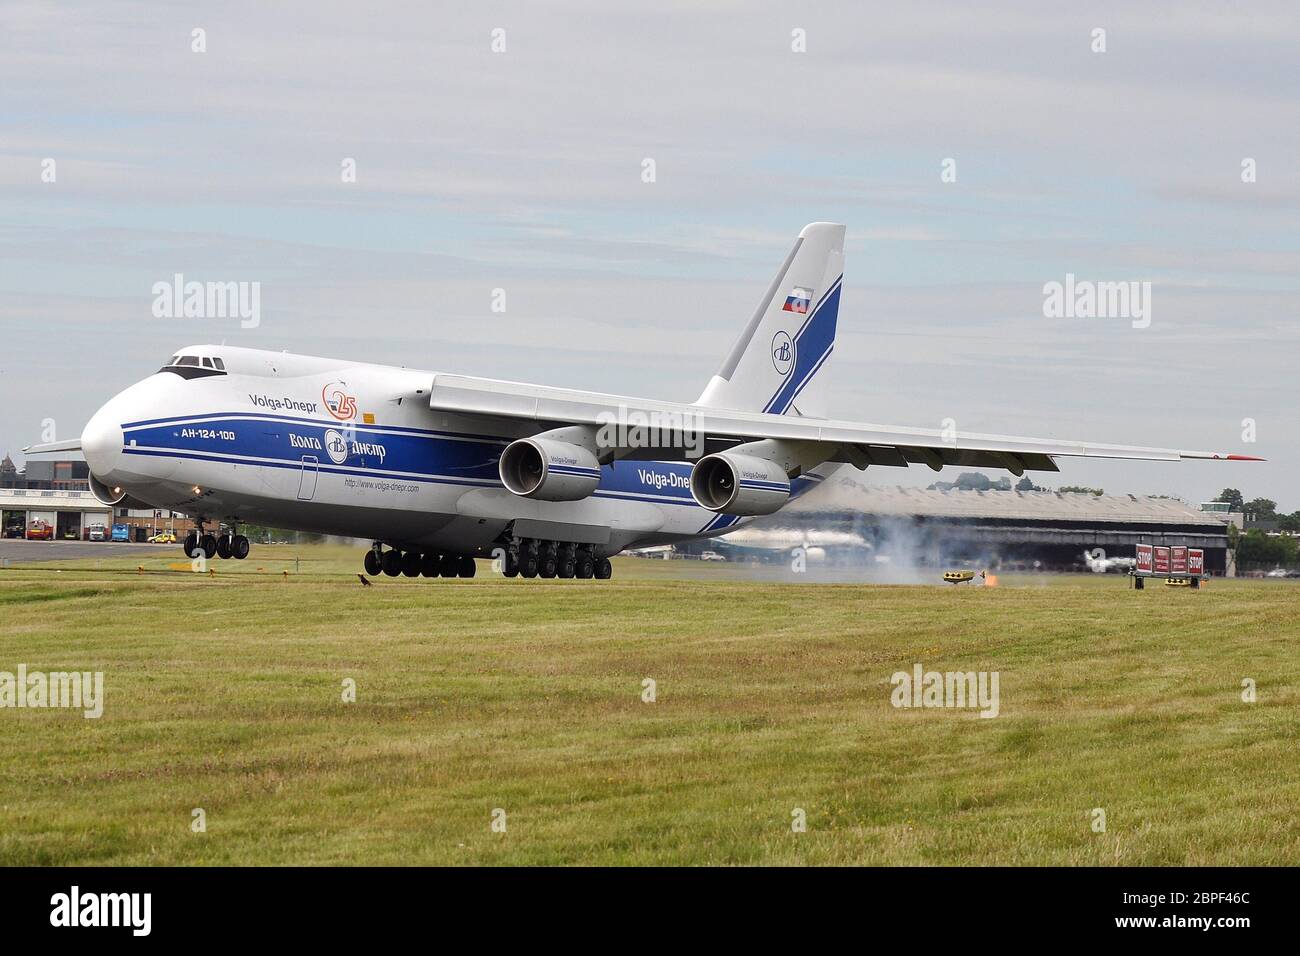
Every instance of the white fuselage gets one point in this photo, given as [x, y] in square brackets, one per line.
[313, 444]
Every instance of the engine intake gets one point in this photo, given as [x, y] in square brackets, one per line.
[739, 484]
[549, 470]
[104, 494]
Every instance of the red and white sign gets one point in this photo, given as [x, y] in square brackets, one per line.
[1178, 559]
[1161, 560]
[1144, 558]
[1195, 561]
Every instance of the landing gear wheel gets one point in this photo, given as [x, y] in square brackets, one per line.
[374, 563]
[586, 566]
[449, 566]
[392, 562]
[429, 564]
[209, 545]
[239, 547]
[528, 565]
[411, 564]
[604, 570]
[547, 568]
[510, 565]
[191, 545]
[224, 547]
[566, 560]
[467, 566]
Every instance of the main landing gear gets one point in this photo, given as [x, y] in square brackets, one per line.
[533, 558]
[414, 564]
[524, 557]
[225, 544]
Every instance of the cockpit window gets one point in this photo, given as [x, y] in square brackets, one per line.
[194, 366]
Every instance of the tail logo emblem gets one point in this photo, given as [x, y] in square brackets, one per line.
[782, 353]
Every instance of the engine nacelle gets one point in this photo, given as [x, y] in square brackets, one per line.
[549, 470]
[104, 494]
[739, 484]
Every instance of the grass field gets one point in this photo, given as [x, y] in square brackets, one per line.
[224, 692]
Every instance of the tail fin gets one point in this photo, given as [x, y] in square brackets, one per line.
[778, 364]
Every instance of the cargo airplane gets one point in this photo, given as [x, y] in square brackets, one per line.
[437, 469]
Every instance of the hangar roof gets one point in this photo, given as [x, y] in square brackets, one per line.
[1005, 505]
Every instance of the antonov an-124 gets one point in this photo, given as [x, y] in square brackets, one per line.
[437, 469]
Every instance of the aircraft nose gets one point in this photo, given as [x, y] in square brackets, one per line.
[101, 441]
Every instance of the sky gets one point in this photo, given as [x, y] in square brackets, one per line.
[523, 169]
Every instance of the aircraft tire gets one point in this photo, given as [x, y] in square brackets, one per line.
[430, 563]
[510, 565]
[467, 567]
[224, 547]
[547, 566]
[374, 564]
[566, 566]
[209, 545]
[586, 566]
[449, 566]
[239, 547]
[191, 545]
[392, 562]
[604, 570]
[411, 564]
[528, 565]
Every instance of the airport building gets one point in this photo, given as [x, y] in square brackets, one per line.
[51, 500]
[1014, 530]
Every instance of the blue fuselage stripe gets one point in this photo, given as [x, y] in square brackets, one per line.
[384, 452]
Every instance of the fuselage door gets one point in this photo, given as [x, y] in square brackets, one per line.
[307, 483]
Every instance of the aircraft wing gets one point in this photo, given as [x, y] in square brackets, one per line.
[857, 443]
[72, 444]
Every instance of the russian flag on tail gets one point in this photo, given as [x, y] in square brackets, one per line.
[798, 301]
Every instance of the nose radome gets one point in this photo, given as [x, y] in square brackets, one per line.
[101, 442]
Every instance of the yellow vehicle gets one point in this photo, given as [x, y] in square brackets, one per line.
[163, 537]
[958, 577]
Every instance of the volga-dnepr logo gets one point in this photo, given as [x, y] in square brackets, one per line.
[782, 353]
[336, 446]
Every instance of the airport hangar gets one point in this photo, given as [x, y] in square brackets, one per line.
[1012, 529]
[57, 493]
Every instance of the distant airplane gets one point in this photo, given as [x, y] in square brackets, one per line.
[437, 469]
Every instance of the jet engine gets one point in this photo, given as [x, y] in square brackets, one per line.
[739, 484]
[104, 494]
[549, 470]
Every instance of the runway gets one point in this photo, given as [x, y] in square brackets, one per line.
[15, 551]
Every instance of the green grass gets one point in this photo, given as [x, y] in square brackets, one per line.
[224, 692]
